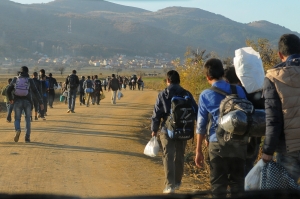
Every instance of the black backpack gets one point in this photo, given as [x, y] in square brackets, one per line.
[97, 84]
[72, 81]
[181, 121]
[233, 104]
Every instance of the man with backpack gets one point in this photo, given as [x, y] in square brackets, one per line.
[52, 85]
[281, 91]
[35, 101]
[175, 111]
[113, 85]
[24, 88]
[71, 84]
[226, 155]
[97, 89]
[88, 89]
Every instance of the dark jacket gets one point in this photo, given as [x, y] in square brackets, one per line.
[33, 90]
[52, 82]
[81, 85]
[162, 106]
[275, 137]
[68, 83]
[114, 84]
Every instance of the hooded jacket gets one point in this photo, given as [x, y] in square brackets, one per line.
[162, 106]
[282, 103]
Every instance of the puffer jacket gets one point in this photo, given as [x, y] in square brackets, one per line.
[162, 107]
[282, 104]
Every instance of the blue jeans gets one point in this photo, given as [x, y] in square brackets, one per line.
[10, 108]
[21, 105]
[72, 99]
[291, 162]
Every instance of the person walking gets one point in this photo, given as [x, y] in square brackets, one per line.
[97, 89]
[88, 89]
[81, 91]
[23, 88]
[9, 106]
[44, 88]
[35, 101]
[72, 83]
[114, 86]
[173, 150]
[281, 91]
[51, 93]
[227, 162]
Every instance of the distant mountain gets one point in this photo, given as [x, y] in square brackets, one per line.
[100, 28]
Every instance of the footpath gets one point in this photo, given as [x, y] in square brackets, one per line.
[95, 152]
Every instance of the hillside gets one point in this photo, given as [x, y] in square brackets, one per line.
[100, 28]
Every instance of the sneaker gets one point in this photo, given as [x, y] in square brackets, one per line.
[177, 186]
[18, 132]
[72, 111]
[8, 121]
[27, 140]
[43, 118]
[35, 118]
[69, 111]
[168, 190]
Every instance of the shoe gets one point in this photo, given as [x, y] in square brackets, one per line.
[27, 140]
[39, 115]
[72, 111]
[35, 118]
[168, 190]
[69, 111]
[18, 132]
[43, 118]
[8, 121]
[177, 186]
[45, 114]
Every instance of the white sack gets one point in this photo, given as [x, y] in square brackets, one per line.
[253, 178]
[152, 147]
[249, 69]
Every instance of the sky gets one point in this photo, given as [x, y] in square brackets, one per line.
[278, 12]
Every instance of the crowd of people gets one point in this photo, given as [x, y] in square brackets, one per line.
[228, 164]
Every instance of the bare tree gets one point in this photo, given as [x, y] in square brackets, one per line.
[61, 69]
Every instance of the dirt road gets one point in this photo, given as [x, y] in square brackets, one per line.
[95, 152]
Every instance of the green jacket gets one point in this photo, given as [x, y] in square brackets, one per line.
[4, 93]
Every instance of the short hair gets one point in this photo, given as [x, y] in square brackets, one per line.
[83, 77]
[24, 69]
[230, 75]
[9, 80]
[42, 71]
[74, 71]
[173, 76]
[35, 74]
[43, 75]
[113, 75]
[214, 68]
[96, 76]
[88, 77]
[50, 74]
[289, 44]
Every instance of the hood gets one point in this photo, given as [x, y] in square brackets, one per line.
[287, 72]
[173, 89]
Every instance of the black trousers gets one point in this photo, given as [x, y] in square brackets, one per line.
[224, 172]
[81, 98]
[97, 97]
[51, 97]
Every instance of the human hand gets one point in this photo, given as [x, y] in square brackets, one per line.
[199, 159]
[11, 101]
[154, 134]
[266, 158]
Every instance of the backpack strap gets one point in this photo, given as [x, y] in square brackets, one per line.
[216, 89]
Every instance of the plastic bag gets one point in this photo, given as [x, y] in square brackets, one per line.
[120, 94]
[102, 96]
[249, 69]
[152, 147]
[253, 178]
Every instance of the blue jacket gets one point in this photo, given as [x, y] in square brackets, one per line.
[162, 107]
[275, 137]
[209, 103]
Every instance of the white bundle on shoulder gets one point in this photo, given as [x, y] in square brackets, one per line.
[249, 69]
